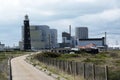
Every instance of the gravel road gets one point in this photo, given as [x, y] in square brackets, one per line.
[21, 70]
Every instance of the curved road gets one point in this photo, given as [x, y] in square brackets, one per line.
[21, 70]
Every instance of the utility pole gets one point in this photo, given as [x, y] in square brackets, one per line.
[49, 42]
[106, 41]
[70, 35]
[105, 38]
[70, 30]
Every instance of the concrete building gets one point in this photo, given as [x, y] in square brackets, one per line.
[39, 36]
[66, 40]
[81, 32]
[21, 45]
[53, 38]
[73, 41]
[2, 47]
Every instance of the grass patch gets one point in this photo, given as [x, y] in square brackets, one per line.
[95, 61]
[114, 75]
[101, 56]
[67, 56]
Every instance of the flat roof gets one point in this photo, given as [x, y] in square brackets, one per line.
[90, 39]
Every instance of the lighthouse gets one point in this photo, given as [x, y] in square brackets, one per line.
[26, 35]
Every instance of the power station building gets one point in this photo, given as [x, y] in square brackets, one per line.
[82, 40]
[53, 38]
[42, 37]
[66, 40]
[39, 36]
[81, 32]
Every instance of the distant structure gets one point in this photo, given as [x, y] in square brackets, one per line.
[66, 40]
[42, 37]
[81, 32]
[82, 40]
[2, 47]
[26, 34]
[98, 42]
[65, 37]
[53, 38]
[73, 41]
[70, 30]
[37, 37]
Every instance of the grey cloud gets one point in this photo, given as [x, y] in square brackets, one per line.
[65, 12]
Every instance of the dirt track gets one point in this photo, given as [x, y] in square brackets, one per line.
[21, 70]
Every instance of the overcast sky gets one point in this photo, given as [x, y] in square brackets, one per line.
[98, 15]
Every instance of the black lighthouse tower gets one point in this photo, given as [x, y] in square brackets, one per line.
[26, 35]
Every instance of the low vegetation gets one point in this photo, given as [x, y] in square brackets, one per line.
[52, 70]
[49, 55]
[110, 58]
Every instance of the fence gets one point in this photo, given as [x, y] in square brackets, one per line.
[3, 69]
[9, 69]
[86, 70]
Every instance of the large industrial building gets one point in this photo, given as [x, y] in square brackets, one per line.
[39, 36]
[66, 40]
[53, 38]
[42, 37]
[81, 32]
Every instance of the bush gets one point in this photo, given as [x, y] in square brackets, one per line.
[115, 55]
[101, 56]
[95, 61]
[87, 60]
[69, 55]
[48, 54]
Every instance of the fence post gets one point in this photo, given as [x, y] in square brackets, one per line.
[84, 70]
[93, 71]
[106, 72]
[76, 68]
[70, 67]
[10, 69]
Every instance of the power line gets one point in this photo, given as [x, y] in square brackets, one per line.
[108, 33]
